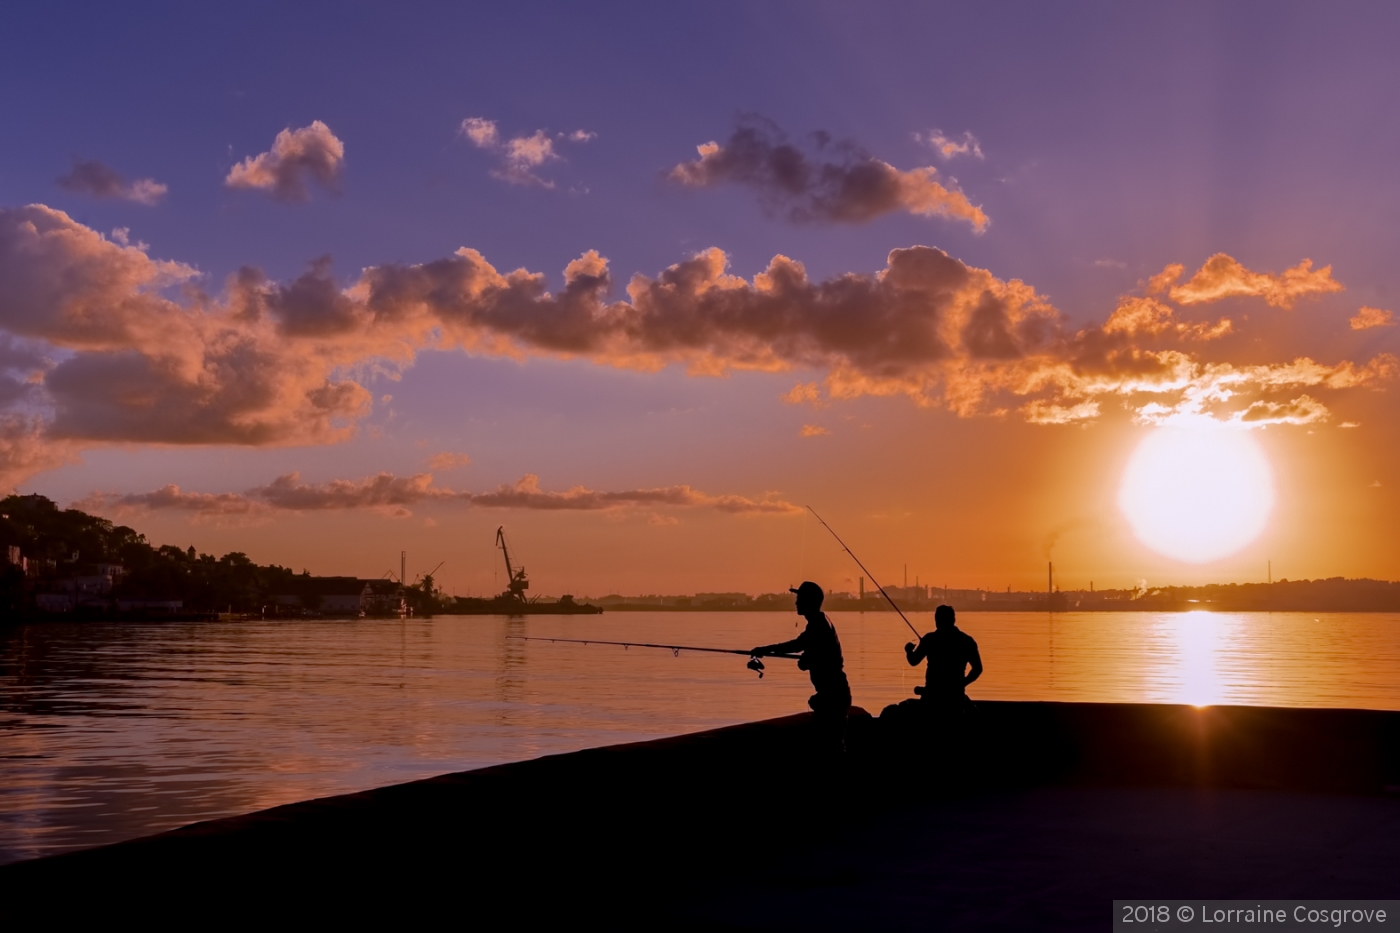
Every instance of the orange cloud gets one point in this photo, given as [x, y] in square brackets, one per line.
[1137, 316]
[804, 393]
[1223, 276]
[1368, 317]
[96, 179]
[171, 497]
[25, 449]
[813, 430]
[297, 157]
[1223, 392]
[837, 183]
[1041, 411]
[393, 494]
[146, 368]
[1302, 410]
[448, 461]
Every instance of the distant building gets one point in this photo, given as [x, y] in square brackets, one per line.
[86, 586]
[384, 598]
[55, 602]
[908, 594]
[722, 600]
[340, 596]
[151, 606]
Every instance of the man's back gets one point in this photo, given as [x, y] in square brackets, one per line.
[949, 651]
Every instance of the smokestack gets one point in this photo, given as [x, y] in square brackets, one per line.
[1049, 582]
[403, 567]
[862, 587]
[906, 576]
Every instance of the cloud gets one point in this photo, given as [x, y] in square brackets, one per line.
[1137, 316]
[1302, 410]
[813, 430]
[22, 369]
[1223, 276]
[520, 155]
[804, 393]
[382, 490]
[1225, 393]
[525, 493]
[1041, 411]
[172, 498]
[296, 159]
[950, 147]
[834, 183]
[448, 461]
[140, 365]
[392, 495]
[26, 449]
[96, 179]
[481, 132]
[1368, 317]
[110, 345]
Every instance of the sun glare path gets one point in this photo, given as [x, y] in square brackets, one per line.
[1197, 639]
[1197, 494]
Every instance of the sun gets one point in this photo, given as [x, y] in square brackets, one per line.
[1197, 494]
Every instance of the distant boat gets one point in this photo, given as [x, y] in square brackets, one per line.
[513, 601]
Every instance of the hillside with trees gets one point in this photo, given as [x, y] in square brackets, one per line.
[46, 548]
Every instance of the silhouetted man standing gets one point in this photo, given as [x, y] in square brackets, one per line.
[821, 657]
[950, 651]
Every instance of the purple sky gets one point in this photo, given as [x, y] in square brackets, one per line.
[1114, 140]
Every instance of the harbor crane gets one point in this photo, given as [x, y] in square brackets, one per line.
[518, 582]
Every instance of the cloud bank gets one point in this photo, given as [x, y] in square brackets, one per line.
[297, 159]
[395, 494]
[96, 179]
[833, 183]
[109, 345]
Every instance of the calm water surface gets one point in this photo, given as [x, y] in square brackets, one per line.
[114, 731]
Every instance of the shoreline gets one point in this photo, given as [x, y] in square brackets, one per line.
[708, 828]
[209, 617]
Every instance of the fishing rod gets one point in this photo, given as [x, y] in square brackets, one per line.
[867, 573]
[754, 663]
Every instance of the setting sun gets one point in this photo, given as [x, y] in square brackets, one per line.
[1197, 495]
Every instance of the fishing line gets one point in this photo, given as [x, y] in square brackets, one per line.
[867, 573]
[802, 552]
[645, 644]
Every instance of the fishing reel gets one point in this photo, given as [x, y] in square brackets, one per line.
[755, 665]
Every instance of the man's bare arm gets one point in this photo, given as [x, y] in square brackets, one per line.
[976, 667]
[783, 647]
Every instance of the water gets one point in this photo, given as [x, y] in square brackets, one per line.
[113, 731]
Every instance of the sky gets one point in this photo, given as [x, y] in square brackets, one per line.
[325, 283]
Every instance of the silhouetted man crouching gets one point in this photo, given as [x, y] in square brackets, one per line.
[821, 659]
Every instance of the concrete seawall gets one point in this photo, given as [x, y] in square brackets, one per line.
[1034, 809]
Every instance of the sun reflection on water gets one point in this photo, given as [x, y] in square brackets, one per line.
[1192, 644]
